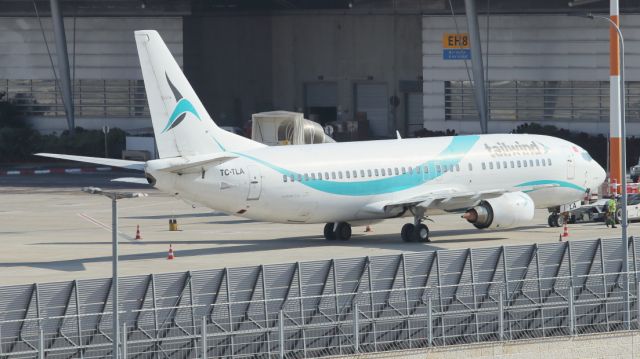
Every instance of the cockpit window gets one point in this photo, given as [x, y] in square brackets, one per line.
[586, 156]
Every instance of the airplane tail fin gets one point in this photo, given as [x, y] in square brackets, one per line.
[181, 124]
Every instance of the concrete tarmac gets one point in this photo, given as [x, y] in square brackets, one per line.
[51, 231]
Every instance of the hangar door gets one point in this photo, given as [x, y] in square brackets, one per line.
[415, 118]
[372, 99]
[321, 101]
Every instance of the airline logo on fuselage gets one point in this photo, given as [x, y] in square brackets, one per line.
[503, 149]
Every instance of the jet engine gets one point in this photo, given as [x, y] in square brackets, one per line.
[509, 210]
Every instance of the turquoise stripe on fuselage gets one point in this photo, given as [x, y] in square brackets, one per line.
[450, 156]
[563, 184]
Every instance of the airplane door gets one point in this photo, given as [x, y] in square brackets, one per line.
[255, 183]
[571, 167]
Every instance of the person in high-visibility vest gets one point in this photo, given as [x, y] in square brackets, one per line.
[611, 212]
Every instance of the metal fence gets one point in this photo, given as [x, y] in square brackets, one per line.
[323, 308]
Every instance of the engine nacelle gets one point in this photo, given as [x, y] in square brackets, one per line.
[509, 210]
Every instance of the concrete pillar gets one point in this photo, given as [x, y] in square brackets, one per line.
[63, 62]
[476, 62]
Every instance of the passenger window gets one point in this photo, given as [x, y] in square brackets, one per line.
[470, 167]
[306, 176]
[376, 172]
[382, 172]
[299, 178]
[504, 164]
[362, 173]
[544, 163]
[531, 163]
[450, 168]
[498, 165]
[319, 175]
[333, 175]
[340, 174]
[293, 178]
[355, 174]
[369, 173]
[284, 178]
[313, 176]
[549, 161]
[537, 162]
[519, 164]
[426, 169]
[457, 167]
[484, 167]
[396, 171]
[490, 165]
[348, 174]
[389, 173]
[444, 168]
[404, 170]
[524, 163]
[410, 169]
[418, 170]
[326, 175]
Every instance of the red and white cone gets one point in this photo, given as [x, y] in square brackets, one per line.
[138, 236]
[368, 229]
[171, 254]
[565, 232]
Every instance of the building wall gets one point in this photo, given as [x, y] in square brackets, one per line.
[527, 47]
[245, 64]
[99, 49]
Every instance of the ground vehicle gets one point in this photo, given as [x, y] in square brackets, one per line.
[594, 212]
[635, 173]
[633, 207]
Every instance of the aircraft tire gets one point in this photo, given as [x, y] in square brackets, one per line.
[329, 234]
[421, 233]
[407, 232]
[343, 231]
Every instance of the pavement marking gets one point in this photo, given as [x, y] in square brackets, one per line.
[102, 225]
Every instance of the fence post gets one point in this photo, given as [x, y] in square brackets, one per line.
[356, 329]
[501, 316]
[638, 302]
[124, 340]
[281, 336]
[429, 322]
[572, 322]
[41, 343]
[203, 340]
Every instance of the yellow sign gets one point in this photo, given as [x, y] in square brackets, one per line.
[455, 41]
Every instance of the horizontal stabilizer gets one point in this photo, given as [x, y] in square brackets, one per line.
[190, 164]
[132, 165]
[136, 180]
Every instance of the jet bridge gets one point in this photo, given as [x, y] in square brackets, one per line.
[276, 128]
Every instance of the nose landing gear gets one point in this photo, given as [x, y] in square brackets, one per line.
[416, 231]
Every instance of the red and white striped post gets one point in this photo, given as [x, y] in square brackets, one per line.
[615, 113]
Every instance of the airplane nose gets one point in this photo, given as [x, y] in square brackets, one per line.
[599, 175]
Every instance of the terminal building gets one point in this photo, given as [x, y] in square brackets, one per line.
[384, 61]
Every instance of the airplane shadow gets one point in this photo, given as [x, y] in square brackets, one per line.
[234, 246]
[184, 215]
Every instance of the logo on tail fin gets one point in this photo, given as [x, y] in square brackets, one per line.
[183, 106]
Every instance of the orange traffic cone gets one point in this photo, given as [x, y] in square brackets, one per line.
[171, 254]
[368, 229]
[565, 233]
[138, 236]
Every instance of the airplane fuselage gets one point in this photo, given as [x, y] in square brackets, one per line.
[343, 182]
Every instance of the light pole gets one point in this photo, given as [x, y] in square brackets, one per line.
[115, 196]
[623, 179]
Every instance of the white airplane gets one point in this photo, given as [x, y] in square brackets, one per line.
[496, 180]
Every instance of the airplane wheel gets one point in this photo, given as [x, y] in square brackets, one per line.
[343, 231]
[406, 232]
[329, 234]
[550, 220]
[421, 233]
[559, 222]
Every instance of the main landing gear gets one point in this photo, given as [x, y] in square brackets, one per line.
[340, 230]
[416, 231]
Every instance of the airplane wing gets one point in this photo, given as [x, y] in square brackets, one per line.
[450, 199]
[132, 165]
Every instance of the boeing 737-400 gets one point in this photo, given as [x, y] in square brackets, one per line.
[494, 181]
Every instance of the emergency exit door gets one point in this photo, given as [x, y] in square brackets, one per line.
[255, 183]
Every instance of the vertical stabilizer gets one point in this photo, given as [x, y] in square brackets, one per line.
[181, 124]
